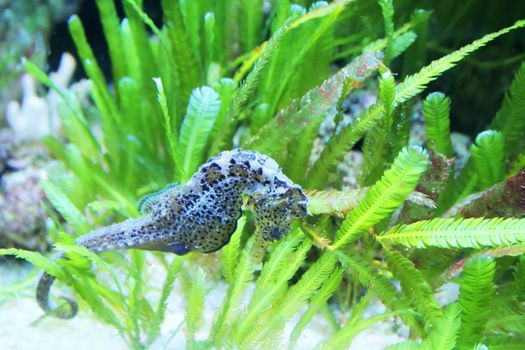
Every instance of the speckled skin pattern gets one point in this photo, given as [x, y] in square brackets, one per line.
[201, 215]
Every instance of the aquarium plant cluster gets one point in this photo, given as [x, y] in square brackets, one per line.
[264, 76]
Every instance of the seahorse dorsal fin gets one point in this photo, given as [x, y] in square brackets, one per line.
[146, 202]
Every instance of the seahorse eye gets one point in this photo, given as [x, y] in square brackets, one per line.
[277, 233]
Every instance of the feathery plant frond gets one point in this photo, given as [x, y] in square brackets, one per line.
[344, 338]
[311, 39]
[378, 148]
[381, 286]
[233, 301]
[475, 298]
[387, 8]
[416, 83]
[414, 286]
[296, 297]
[317, 303]
[278, 265]
[510, 119]
[217, 75]
[201, 115]
[341, 202]
[411, 86]
[65, 207]
[248, 87]
[171, 133]
[315, 104]
[110, 25]
[226, 89]
[456, 233]
[401, 44]
[510, 122]
[406, 345]
[195, 303]
[35, 259]
[160, 313]
[519, 278]
[385, 196]
[445, 334]
[341, 144]
[488, 157]
[328, 202]
[436, 110]
[230, 253]
[272, 284]
[503, 342]
[395, 44]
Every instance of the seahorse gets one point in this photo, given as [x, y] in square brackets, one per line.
[199, 216]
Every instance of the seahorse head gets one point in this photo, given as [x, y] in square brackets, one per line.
[276, 200]
[275, 212]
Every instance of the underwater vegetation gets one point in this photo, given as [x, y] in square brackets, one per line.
[263, 77]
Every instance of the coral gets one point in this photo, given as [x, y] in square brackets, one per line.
[38, 116]
[22, 218]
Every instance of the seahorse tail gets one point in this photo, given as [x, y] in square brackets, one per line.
[42, 297]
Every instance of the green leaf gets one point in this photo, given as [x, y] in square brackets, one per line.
[341, 144]
[167, 287]
[341, 202]
[234, 297]
[385, 196]
[436, 110]
[317, 303]
[510, 119]
[111, 27]
[370, 278]
[315, 104]
[200, 116]
[387, 8]
[519, 278]
[457, 233]
[195, 302]
[505, 342]
[381, 142]
[100, 89]
[414, 286]
[445, 333]
[295, 298]
[475, 298]
[65, 207]
[406, 345]
[414, 84]
[251, 18]
[273, 282]
[230, 253]
[401, 44]
[170, 131]
[279, 265]
[35, 259]
[488, 157]
[344, 338]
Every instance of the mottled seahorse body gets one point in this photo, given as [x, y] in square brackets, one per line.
[201, 215]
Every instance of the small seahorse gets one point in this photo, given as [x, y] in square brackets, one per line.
[201, 215]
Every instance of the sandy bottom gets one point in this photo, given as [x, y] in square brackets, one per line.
[22, 326]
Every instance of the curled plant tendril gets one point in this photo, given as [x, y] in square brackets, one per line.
[201, 215]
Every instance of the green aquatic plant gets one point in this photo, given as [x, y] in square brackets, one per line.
[227, 74]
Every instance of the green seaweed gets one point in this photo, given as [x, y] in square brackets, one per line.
[224, 74]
